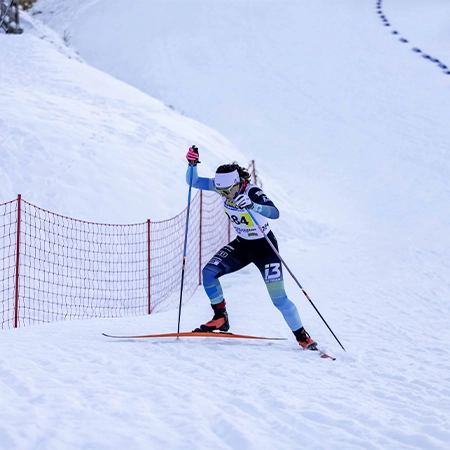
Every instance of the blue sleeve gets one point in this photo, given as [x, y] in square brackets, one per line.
[262, 204]
[206, 184]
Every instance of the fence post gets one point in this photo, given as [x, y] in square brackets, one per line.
[200, 240]
[16, 296]
[11, 13]
[148, 268]
[16, 14]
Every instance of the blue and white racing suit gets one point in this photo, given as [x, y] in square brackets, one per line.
[250, 246]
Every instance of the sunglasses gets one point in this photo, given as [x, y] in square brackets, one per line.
[226, 191]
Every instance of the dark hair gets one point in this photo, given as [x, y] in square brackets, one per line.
[242, 171]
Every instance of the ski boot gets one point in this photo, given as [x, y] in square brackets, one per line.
[304, 339]
[220, 320]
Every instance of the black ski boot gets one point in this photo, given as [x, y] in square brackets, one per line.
[220, 320]
[304, 339]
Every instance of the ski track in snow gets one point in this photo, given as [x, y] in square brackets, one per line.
[350, 134]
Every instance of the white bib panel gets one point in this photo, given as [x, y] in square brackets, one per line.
[242, 222]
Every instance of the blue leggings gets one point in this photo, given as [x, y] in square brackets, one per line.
[238, 254]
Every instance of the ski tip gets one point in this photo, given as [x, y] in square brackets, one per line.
[325, 356]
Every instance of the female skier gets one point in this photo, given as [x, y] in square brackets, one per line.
[232, 182]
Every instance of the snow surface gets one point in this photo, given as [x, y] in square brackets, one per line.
[349, 130]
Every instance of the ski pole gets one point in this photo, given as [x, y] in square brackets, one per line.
[185, 240]
[293, 276]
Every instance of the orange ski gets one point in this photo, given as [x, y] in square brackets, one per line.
[209, 334]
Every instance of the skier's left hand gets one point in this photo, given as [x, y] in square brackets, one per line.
[243, 201]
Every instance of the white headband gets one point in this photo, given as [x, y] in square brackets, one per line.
[226, 180]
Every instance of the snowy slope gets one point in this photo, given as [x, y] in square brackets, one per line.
[81, 143]
[350, 130]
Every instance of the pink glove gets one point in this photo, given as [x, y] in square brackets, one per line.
[192, 156]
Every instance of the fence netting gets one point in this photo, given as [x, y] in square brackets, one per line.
[57, 268]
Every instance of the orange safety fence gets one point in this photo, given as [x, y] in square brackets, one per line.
[57, 268]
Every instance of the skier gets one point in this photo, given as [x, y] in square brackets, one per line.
[232, 182]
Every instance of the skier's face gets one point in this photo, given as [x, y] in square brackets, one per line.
[231, 192]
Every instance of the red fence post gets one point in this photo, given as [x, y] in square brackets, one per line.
[148, 267]
[200, 240]
[16, 300]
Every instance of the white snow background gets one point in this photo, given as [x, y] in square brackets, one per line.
[350, 132]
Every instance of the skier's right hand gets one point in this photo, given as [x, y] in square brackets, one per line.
[192, 156]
